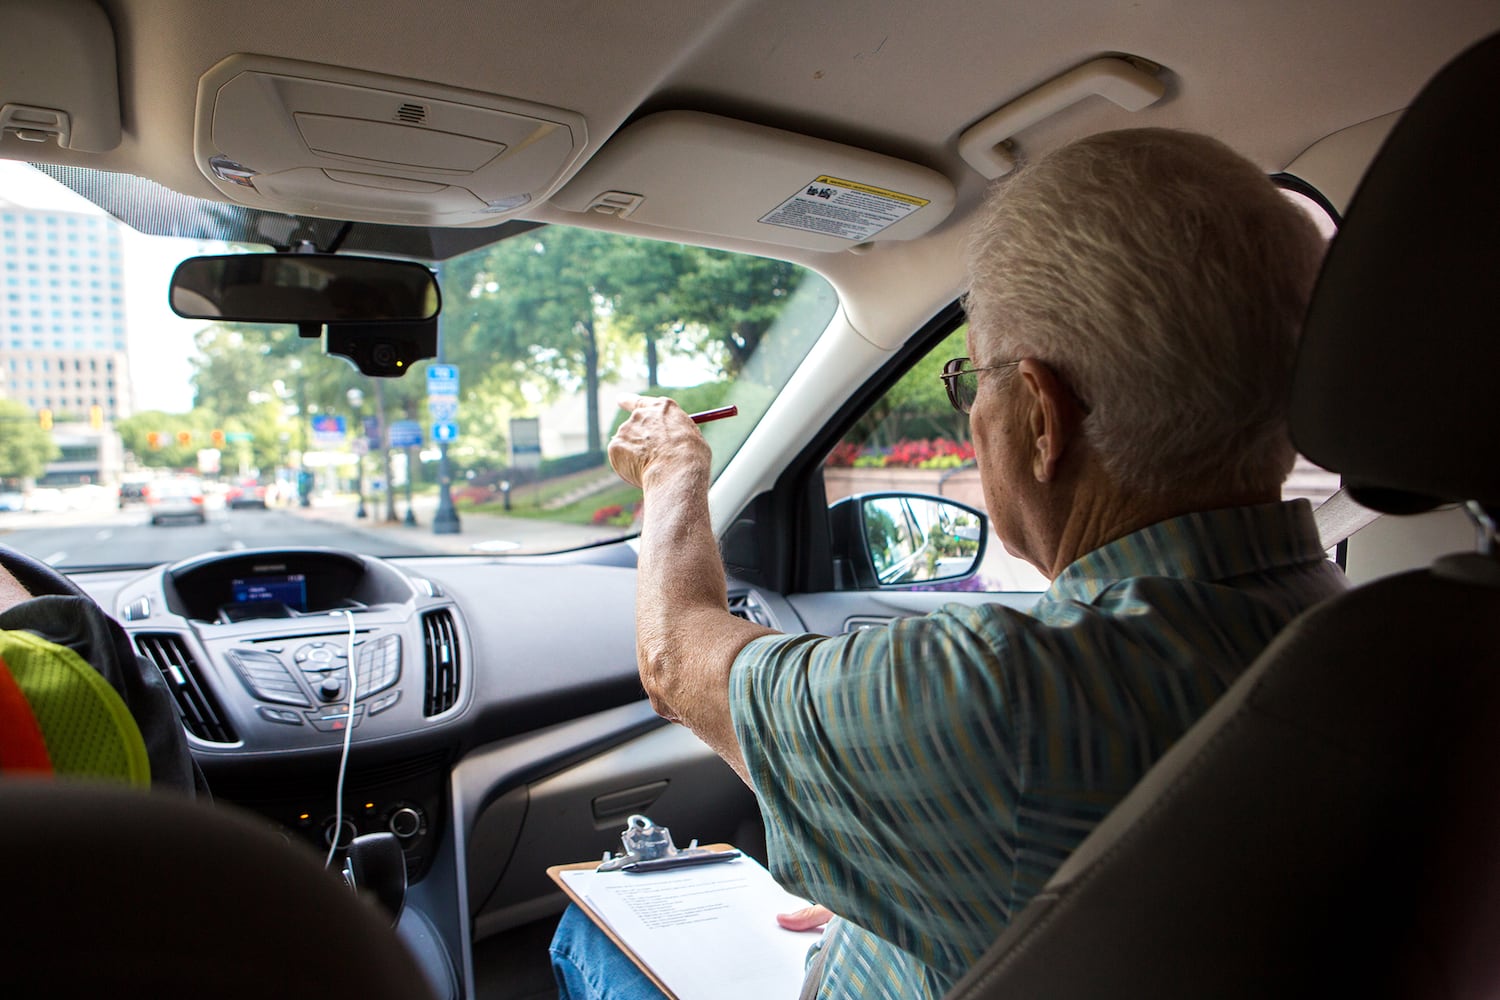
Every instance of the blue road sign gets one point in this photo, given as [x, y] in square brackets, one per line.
[442, 380]
[444, 432]
[406, 434]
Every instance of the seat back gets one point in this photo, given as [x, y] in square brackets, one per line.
[1330, 826]
[112, 892]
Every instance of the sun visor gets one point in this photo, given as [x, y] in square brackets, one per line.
[702, 173]
[308, 139]
[57, 77]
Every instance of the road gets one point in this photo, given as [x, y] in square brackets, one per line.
[110, 537]
[104, 536]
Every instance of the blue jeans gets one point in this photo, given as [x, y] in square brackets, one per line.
[589, 966]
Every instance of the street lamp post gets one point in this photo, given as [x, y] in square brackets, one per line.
[357, 404]
[385, 451]
[411, 468]
[445, 519]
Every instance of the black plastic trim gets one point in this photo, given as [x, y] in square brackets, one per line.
[1291, 182]
[791, 533]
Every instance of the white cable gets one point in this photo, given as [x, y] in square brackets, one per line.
[338, 795]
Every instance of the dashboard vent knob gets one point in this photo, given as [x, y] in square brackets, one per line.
[443, 661]
[196, 704]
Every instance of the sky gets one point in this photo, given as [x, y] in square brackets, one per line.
[159, 342]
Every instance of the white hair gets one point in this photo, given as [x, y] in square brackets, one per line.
[1164, 277]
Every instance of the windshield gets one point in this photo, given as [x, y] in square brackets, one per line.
[135, 437]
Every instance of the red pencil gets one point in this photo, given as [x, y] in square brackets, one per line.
[719, 414]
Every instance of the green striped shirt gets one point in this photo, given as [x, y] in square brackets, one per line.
[924, 780]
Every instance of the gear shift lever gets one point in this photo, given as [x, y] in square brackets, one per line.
[376, 865]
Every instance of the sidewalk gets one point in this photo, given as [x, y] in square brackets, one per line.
[479, 534]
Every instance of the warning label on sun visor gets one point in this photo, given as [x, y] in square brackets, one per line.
[845, 209]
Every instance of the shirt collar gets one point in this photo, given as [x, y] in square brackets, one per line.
[1203, 545]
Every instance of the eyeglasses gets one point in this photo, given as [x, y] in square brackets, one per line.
[963, 383]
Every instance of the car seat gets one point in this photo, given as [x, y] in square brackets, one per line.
[1330, 827]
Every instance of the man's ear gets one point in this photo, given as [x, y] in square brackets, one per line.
[1053, 418]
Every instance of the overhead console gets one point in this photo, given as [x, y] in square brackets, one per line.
[304, 138]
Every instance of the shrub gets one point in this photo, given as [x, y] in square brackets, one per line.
[938, 453]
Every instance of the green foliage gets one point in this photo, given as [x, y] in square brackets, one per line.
[731, 301]
[917, 405]
[550, 312]
[693, 399]
[136, 431]
[25, 448]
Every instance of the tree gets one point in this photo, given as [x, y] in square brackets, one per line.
[533, 306]
[266, 380]
[916, 406]
[168, 440]
[733, 300]
[25, 448]
[541, 313]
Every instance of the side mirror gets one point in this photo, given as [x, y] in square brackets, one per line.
[904, 539]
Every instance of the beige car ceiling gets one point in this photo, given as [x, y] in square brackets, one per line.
[757, 92]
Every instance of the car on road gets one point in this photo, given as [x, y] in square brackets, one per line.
[175, 500]
[12, 500]
[131, 494]
[246, 493]
[752, 202]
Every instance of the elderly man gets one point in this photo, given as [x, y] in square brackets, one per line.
[1134, 305]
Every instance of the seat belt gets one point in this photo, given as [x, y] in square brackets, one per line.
[1340, 516]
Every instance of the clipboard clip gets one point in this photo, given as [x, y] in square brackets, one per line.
[651, 847]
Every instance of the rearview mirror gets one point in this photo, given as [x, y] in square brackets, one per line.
[905, 539]
[304, 289]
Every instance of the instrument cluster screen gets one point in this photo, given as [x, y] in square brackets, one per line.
[285, 588]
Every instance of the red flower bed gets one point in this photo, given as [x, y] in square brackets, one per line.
[912, 454]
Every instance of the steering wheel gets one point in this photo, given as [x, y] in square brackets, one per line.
[37, 577]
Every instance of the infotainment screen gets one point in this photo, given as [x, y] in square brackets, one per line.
[286, 588]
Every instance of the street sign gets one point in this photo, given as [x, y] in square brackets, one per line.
[239, 436]
[525, 443]
[328, 430]
[442, 401]
[406, 434]
[442, 380]
[373, 437]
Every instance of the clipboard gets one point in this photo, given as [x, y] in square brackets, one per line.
[555, 874]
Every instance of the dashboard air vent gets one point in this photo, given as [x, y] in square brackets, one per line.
[444, 671]
[196, 704]
[747, 605]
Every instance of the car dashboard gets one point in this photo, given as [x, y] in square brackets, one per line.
[498, 724]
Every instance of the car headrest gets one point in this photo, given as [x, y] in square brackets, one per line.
[1395, 383]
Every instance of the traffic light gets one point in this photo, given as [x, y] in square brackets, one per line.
[217, 437]
[96, 416]
[153, 439]
[45, 417]
[184, 438]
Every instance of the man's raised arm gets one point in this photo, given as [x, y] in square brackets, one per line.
[686, 639]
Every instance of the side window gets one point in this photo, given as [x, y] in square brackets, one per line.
[913, 441]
